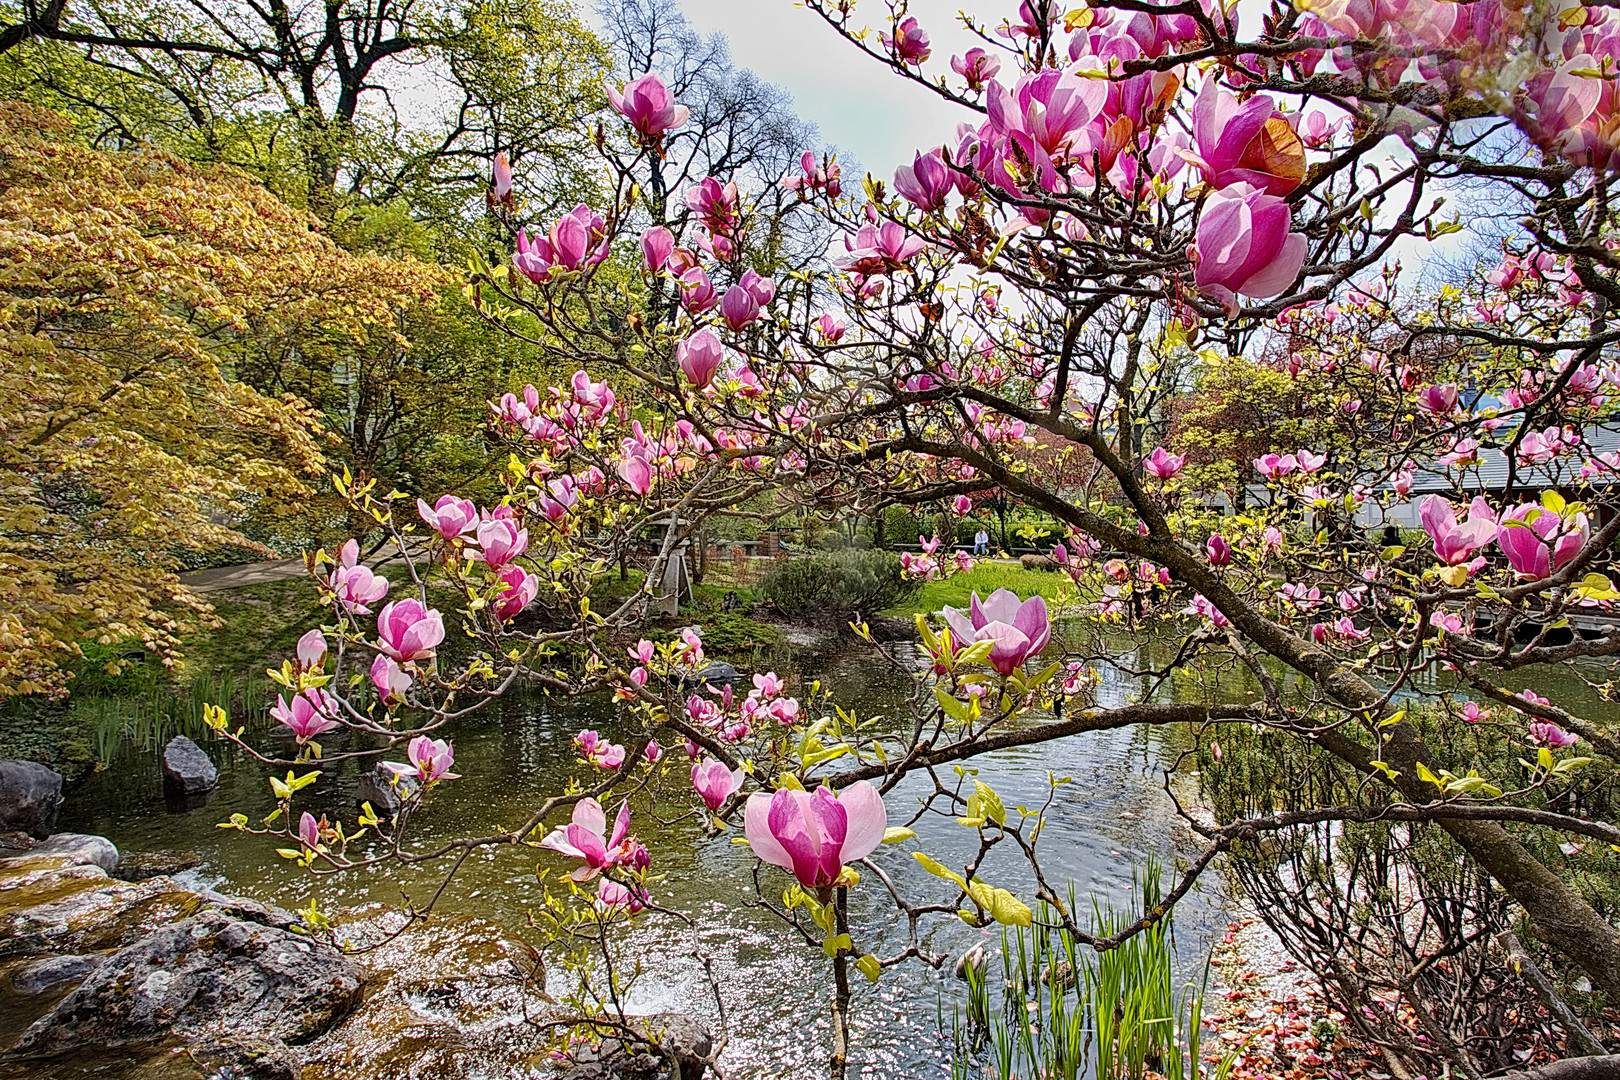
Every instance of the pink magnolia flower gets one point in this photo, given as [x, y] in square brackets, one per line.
[1550, 734]
[691, 647]
[715, 783]
[717, 205]
[1243, 246]
[700, 357]
[390, 679]
[557, 498]
[309, 714]
[1273, 467]
[657, 245]
[450, 517]
[1201, 606]
[648, 105]
[1455, 543]
[1403, 482]
[815, 835]
[760, 287]
[1240, 143]
[1438, 400]
[909, 44]
[611, 897]
[521, 589]
[500, 541]
[875, 249]
[1309, 462]
[962, 504]
[430, 760]
[767, 685]
[1048, 115]
[831, 328]
[697, 291]
[738, 307]
[355, 586]
[637, 473]
[598, 751]
[1018, 629]
[501, 175]
[926, 182]
[586, 838]
[1538, 542]
[642, 652]
[1220, 552]
[653, 752]
[1448, 621]
[1473, 714]
[1163, 464]
[311, 651]
[309, 832]
[406, 630]
[577, 241]
[976, 67]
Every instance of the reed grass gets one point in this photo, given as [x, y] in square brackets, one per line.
[1066, 1012]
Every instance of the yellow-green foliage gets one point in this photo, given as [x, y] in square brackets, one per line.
[127, 284]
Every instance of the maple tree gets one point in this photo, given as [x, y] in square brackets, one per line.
[128, 284]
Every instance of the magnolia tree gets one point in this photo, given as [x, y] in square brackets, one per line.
[1134, 192]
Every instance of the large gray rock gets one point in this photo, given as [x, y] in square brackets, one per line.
[30, 796]
[718, 673]
[384, 790]
[141, 865]
[203, 977]
[79, 848]
[187, 769]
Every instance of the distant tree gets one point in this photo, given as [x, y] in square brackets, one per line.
[130, 288]
[330, 104]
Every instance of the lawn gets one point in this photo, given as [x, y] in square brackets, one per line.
[985, 578]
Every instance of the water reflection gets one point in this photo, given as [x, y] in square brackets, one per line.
[774, 988]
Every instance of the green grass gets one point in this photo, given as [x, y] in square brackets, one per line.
[986, 578]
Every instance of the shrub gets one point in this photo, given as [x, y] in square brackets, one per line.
[901, 526]
[837, 583]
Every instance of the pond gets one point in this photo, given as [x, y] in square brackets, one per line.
[1102, 827]
[1113, 816]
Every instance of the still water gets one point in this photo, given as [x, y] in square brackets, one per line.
[1113, 817]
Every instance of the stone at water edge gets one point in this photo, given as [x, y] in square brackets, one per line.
[718, 673]
[384, 790]
[680, 1038]
[187, 769]
[976, 957]
[144, 865]
[81, 848]
[30, 796]
[206, 976]
[43, 976]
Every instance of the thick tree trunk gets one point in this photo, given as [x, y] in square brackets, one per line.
[1559, 915]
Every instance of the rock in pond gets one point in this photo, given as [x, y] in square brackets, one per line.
[30, 796]
[207, 976]
[683, 1050]
[80, 848]
[142, 865]
[386, 791]
[718, 673]
[187, 770]
[159, 982]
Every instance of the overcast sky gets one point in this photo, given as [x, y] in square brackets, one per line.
[859, 105]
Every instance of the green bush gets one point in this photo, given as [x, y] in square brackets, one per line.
[901, 526]
[836, 583]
